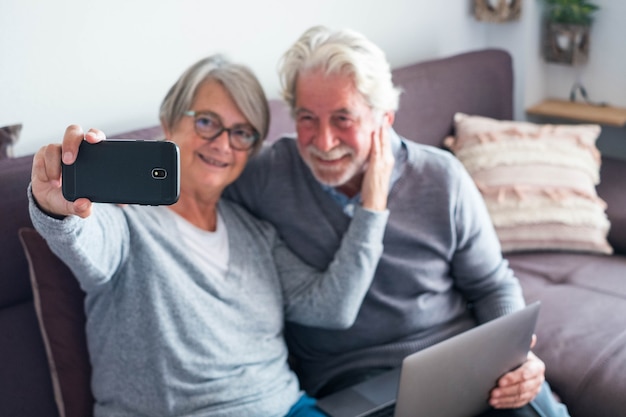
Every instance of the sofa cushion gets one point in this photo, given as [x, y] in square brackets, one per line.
[580, 332]
[14, 178]
[538, 182]
[25, 386]
[9, 135]
[611, 190]
[60, 312]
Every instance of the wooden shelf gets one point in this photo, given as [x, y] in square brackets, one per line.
[580, 112]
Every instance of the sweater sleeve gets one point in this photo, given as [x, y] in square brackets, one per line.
[93, 248]
[332, 298]
[481, 273]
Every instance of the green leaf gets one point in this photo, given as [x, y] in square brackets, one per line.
[570, 11]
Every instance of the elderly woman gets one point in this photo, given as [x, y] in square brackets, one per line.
[186, 303]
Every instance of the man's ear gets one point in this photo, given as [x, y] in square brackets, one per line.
[388, 118]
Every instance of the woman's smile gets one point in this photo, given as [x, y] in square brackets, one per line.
[212, 161]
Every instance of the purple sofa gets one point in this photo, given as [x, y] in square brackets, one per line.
[582, 326]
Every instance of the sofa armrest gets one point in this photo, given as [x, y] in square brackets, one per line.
[611, 190]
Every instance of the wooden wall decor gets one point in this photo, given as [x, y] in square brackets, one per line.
[497, 11]
[566, 43]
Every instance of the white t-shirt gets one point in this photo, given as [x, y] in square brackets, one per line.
[210, 249]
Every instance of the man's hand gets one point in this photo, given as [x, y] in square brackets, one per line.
[46, 173]
[519, 387]
[378, 174]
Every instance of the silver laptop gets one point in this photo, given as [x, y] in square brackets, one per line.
[450, 379]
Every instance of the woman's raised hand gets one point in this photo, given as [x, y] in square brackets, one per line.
[46, 173]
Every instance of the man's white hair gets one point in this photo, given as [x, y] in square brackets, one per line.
[345, 52]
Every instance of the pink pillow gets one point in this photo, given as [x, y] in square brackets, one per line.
[538, 182]
[60, 311]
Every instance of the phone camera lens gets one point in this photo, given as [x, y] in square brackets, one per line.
[159, 173]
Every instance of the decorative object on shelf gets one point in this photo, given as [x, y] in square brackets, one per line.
[497, 11]
[578, 87]
[566, 36]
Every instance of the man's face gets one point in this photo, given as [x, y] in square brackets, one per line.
[334, 125]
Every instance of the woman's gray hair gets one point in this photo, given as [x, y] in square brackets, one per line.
[342, 51]
[237, 79]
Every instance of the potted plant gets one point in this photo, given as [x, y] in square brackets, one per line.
[566, 38]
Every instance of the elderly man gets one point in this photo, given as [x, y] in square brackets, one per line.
[441, 272]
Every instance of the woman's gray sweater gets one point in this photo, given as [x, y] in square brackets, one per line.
[165, 340]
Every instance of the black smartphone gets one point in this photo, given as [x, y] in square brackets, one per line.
[124, 171]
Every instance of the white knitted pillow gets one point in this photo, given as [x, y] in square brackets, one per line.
[538, 182]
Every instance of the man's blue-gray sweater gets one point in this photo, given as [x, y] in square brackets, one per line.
[441, 256]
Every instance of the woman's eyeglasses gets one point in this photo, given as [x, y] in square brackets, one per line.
[208, 126]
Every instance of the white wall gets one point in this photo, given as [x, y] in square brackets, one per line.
[107, 64]
[522, 39]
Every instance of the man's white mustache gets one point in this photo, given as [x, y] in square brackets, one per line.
[335, 153]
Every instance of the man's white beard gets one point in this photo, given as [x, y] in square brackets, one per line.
[337, 175]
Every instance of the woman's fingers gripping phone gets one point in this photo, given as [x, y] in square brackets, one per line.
[46, 175]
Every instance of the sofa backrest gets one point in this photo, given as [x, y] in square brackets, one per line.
[14, 178]
[476, 83]
[25, 381]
